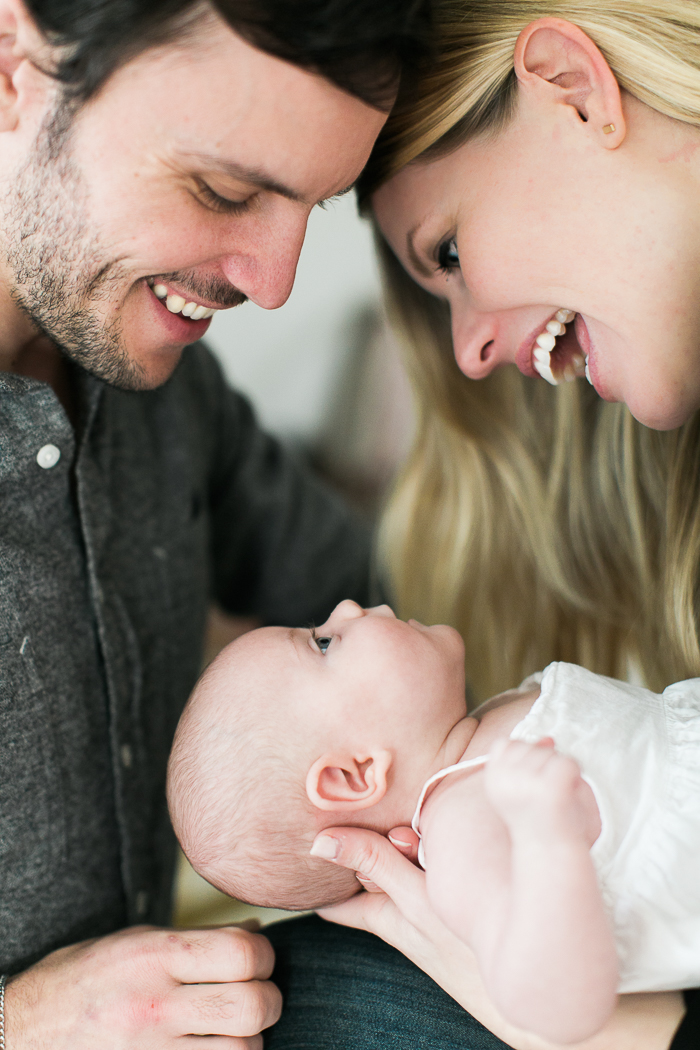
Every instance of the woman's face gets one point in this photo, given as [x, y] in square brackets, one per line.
[514, 227]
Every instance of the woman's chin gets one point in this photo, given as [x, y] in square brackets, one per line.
[661, 413]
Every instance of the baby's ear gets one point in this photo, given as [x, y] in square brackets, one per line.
[345, 782]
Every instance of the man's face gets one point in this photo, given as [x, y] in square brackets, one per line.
[186, 183]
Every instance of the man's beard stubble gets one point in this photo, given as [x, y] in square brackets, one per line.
[60, 268]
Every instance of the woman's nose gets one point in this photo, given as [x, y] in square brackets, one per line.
[478, 345]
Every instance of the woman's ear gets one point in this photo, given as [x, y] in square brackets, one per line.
[342, 781]
[556, 63]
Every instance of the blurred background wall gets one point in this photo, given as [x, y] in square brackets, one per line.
[324, 374]
[323, 371]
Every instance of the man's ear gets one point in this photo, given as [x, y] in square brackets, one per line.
[19, 38]
[342, 781]
[555, 60]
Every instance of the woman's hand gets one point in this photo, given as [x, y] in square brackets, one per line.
[396, 908]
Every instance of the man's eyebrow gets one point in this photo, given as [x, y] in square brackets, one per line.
[413, 256]
[253, 175]
[261, 179]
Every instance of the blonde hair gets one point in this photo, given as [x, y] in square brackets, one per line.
[542, 522]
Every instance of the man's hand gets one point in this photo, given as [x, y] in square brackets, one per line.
[146, 989]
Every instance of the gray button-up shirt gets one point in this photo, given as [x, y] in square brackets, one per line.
[114, 537]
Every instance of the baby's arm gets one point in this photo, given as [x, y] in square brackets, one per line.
[509, 871]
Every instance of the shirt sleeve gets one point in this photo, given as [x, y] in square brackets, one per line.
[284, 546]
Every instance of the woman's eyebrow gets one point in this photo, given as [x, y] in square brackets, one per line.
[413, 256]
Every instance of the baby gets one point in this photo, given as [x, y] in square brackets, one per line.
[569, 887]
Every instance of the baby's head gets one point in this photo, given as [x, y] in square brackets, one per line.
[290, 731]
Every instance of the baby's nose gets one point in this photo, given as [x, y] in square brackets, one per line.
[346, 610]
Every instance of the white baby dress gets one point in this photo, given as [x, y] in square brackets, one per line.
[640, 753]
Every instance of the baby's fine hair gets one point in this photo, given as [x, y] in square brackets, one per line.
[236, 795]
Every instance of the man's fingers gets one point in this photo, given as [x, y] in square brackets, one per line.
[373, 857]
[241, 1010]
[218, 956]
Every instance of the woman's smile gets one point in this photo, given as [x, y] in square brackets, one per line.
[554, 353]
[608, 270]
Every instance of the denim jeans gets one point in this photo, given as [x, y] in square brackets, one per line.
[346, 990]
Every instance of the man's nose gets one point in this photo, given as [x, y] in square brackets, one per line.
[265, 268]
[480, 344]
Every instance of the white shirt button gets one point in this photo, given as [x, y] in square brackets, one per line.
[48, 456]
[127, 757]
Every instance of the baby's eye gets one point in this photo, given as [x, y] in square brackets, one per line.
[322, 643]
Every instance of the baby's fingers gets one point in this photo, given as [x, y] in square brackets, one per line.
[516, 758]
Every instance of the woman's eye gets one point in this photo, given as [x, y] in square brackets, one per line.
[323, 643]
[448, 256]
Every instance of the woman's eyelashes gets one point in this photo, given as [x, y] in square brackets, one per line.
[448, 256]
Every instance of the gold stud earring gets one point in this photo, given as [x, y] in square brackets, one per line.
[608, 129]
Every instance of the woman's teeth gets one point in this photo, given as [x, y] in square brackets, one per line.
[545, 344]
[176, 304]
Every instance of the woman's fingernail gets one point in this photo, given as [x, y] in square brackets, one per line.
[399, 843]
[325, 847]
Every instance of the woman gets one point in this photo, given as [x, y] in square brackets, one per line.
[552, 221]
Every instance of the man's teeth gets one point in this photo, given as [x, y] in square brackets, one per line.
[545, 343]
[587, 371]
[176, 304]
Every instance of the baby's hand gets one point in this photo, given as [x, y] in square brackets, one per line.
[535, 790]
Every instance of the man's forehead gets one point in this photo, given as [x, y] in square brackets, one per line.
[218, 99]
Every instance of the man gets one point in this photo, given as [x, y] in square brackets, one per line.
[158, 163]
